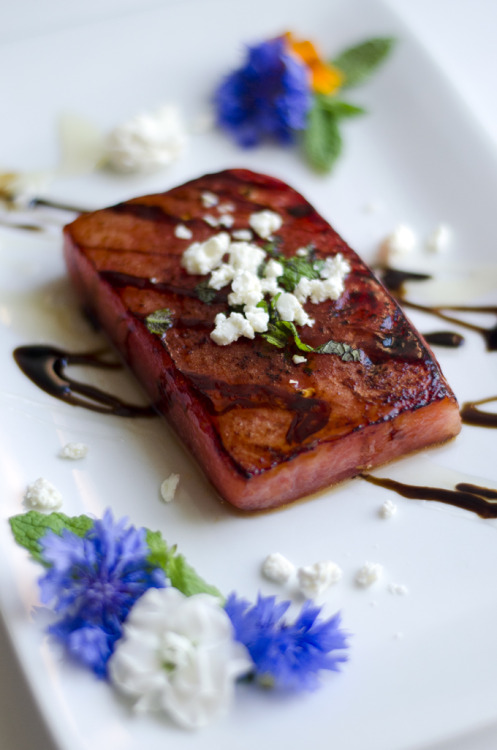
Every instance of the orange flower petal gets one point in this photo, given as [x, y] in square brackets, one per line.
[325, 79]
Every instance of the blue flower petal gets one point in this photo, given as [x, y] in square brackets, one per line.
[269, 97]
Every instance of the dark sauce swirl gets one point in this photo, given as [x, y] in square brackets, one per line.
[394, 279]
[471, 414]
[46, 367]
[479, 500]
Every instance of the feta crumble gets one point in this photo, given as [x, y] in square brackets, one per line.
[398, 589]
[400, 242]
[226, 208]
[73, 451]
[209, 200]
[202, 257]
[229, 329]
[242, 234]
[439, 240]
[290, 309]
[182, 232]
[226, 220]
[264, 223]
[368, 574]
[388, 509]
[42, 494]
[314, 579]
[298, 359]
[168, 488]
[148, 141]
[277, 568]
[302, 252]
[212, 221]
[246, 289]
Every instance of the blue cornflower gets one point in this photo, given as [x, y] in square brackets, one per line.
[94, 581]
[269, 97]
[287, 655]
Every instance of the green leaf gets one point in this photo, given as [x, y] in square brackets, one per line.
[205, 293]
[181, 575]
[28, 528]
[322, 139]
[359, 62]
[295, 268]
[159, 321]
[341, 109]
[346, 352]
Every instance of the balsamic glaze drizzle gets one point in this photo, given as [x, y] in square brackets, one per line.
[479, 500]
[46, 367]
[470, 413]
[394, 280]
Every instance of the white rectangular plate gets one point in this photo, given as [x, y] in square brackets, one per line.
[420, 668]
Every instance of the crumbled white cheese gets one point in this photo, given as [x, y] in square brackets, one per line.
[182, 232]
[388, 509]
[439, 240]
[400, 242]
[314, 579]
[74, 451]
[212, 221]
[244, 256]
[226, 220]
[246, 290]
[290, 309]
[242, 234]
[298, 359]
[148, 141]
[229, 329]
[258, 318]
[273, 269]
[202, 257]
[226, 208]
[293, 382]
[302, 252]
[277, 568]
[398, 588]
[221, 276]
[368, 574]
[329, 286]
[168, 487]
[42, 494]
[264, 223]
[209, 200]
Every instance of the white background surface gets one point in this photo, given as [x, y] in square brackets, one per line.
[459, 35]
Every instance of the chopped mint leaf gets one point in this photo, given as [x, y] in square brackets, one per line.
[181, 575]
[346, 352]
[205, 293]
[358, 62]
[272, 249]
[297, 267]
[339, 108]
[322, 140]
[282, 332]
[29, 528]
[159, 321]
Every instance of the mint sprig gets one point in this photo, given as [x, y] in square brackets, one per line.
[181, 575]
[357, 63]
[322, 139]
[29, 528]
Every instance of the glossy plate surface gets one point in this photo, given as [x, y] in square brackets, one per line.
[421, 668]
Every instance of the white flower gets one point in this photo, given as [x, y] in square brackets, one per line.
[178, 655]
